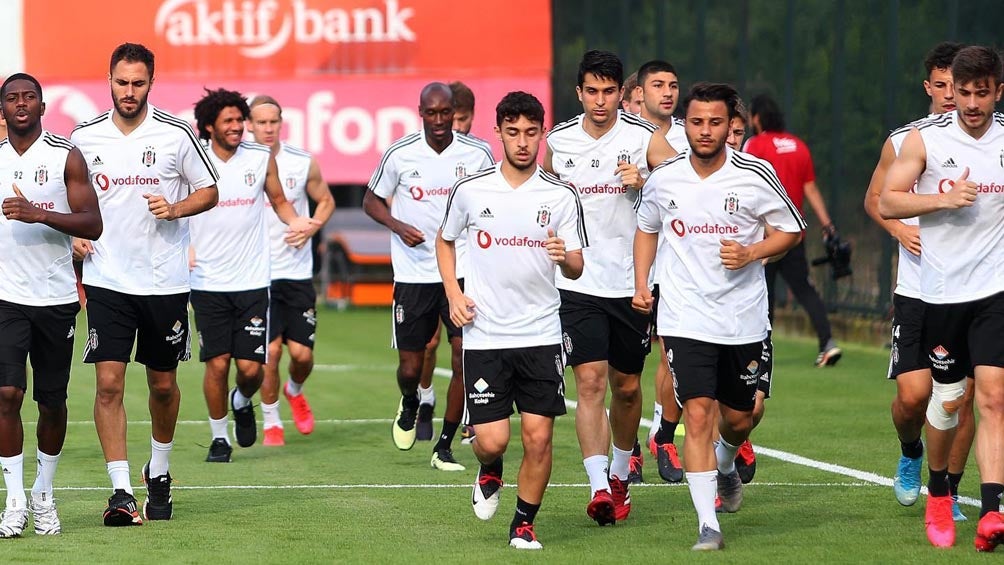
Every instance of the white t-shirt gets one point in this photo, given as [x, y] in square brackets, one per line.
[963, 256]
[137, 253]
[908, 268]
[290, 263]
[590, 165]
[699, 298]
[419, 180]
[231, 252]
[677, 135]
[510, 277]
[36, 266]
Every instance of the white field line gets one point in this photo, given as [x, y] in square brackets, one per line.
[363, 486]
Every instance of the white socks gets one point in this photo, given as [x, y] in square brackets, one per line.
[656, 419]
[703, 488]
[118, 472]
[597, 468]
[238, 400]
[293, 388]
[726, 455]
[219, 428]
[41, 491]
[426, 395]
[159, 454]
[620, 467]
[13, 478]
[270, 412]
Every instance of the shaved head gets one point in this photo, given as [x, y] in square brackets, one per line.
[435, 90]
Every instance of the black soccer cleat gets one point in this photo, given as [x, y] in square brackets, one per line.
[245, 427]
[219, 451]
[158, 504]
[122, 510]
[423, 427]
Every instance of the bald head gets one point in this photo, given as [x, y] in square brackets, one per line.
[435, 91]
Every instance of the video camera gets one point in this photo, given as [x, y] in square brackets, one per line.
[838, 254]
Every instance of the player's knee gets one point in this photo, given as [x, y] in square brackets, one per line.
[108, 392]
[591, 387]
[11, 398]
[946, 400]
[627, 390]
[489, 448]
[302, 357]
[162, 389]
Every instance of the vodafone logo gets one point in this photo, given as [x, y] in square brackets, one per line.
[945, 185]
[104, 182]
[678, 227]
[416, 192]
[484, 240]
[681, 229]
[261, 28]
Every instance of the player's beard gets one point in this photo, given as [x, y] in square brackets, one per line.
[521, 166]
[709, 154]
[140, 106]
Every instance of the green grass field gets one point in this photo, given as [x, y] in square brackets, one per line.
[345, 494]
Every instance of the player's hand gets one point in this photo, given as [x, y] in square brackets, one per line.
[962, 194]
[81, 248]
[734, 255]
[909, 237]
[555, 247]
[409, 234]
[642, 300]
[461, 310]
[630, 177]
[160, 208]
[301, 229]
[19, 208]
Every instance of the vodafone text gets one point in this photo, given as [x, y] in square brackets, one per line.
[485, 240]
[681, 229]
[104, 182]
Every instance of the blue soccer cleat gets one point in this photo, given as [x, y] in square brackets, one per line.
[906, 484]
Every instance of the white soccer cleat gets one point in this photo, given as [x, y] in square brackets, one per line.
[487, 490]
[13, 521]
[45, 517]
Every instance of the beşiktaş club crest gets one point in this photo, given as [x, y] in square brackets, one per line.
[623, 157]
[399, 314]
[461, 171]
[249, 177]
[290, 182]
[731, 203]
[149, 156]
[544, 216]
[41, 175]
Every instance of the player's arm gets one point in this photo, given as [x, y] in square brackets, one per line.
[318, 191]
[658, 150]
[548, 157]
[377, 208]
[301, 228]
[570, 262]
[461, 307]
[908, 236]
[645, 245]
[735, 255]
[815, 200]
[84, 218]
[897, 201]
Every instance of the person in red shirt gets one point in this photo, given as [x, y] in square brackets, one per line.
[793, 163]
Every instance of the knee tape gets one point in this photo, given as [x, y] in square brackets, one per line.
[943, 409]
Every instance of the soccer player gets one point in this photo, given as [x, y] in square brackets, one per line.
[230, 272]
[631, 100]
[713, 320]
[463, 107]
[791, 159]
[151, 173]
[955, 162]
[47, 200]
[909, 365]
[525, 221]
[292, 298]
[606, 154]
[418, 171]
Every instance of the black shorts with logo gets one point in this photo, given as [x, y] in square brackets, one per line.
[45, 334]
[907, 330]
[292, 313]
[531, 377]
[604, 329]
[234, 323]
[158, 325]
[727, 373]
[767, 371]
[958, 337]
[417, 310]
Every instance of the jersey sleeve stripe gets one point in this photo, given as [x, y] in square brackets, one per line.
[57, 141]
[636, 121]
[183, 126]
[669, 161]
[95, 120]
[771, 179]
[255, 146]
[296, 150]
[403, 142]
[476, 144]
[563, 125]
[456, 187]
[581, 228]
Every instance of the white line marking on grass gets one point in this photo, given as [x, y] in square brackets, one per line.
[448, 486]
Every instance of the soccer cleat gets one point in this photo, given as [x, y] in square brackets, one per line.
[709, 540]
[13, 521]
[403, 428]
[245, 428]
[158, 504]
[443, 460]
[957, 514]
[467, 435]
[621, 494]
[601, 508]
[989, 531]
[746, 462]
[122, 510]
[219, 451]
[522, 537]
[45, 517]
[634, 469]
[829, 355]
[938, 521]
[302, 416]
[275, 436]
[487, 490]
[423, 427]
[906, 483]
[668, 460]
[718, 504]
[730, 490]
[653, 447]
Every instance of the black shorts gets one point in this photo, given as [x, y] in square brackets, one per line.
[767, 369]
[157, 324]
[604, 329]
[655, 312]
[958, 337]
[234, 323]
[729, 374]
[45, 334]
[532, 377]
[418, 309]
[292, 314]
[907, 330]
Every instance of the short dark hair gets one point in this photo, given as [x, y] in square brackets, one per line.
[21, 76]
[463, 96]
[713, 92]
[516, 104]
[209, 107]
[263, 99]
[741, 112]
[653, 67]
[132, 53]
[940, 57]
[766, 109]
[601, 64]
[977, 62]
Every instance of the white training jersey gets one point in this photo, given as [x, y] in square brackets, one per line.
[908, 267]
[231, 252]
[419, 180]
[510, 277]
[36, 267]
[137, 253]
[590, 166]
[290, 263]
[677, 136]
[963, 256]
[699, 298]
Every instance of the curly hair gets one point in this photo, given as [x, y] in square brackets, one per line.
[209, 107]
